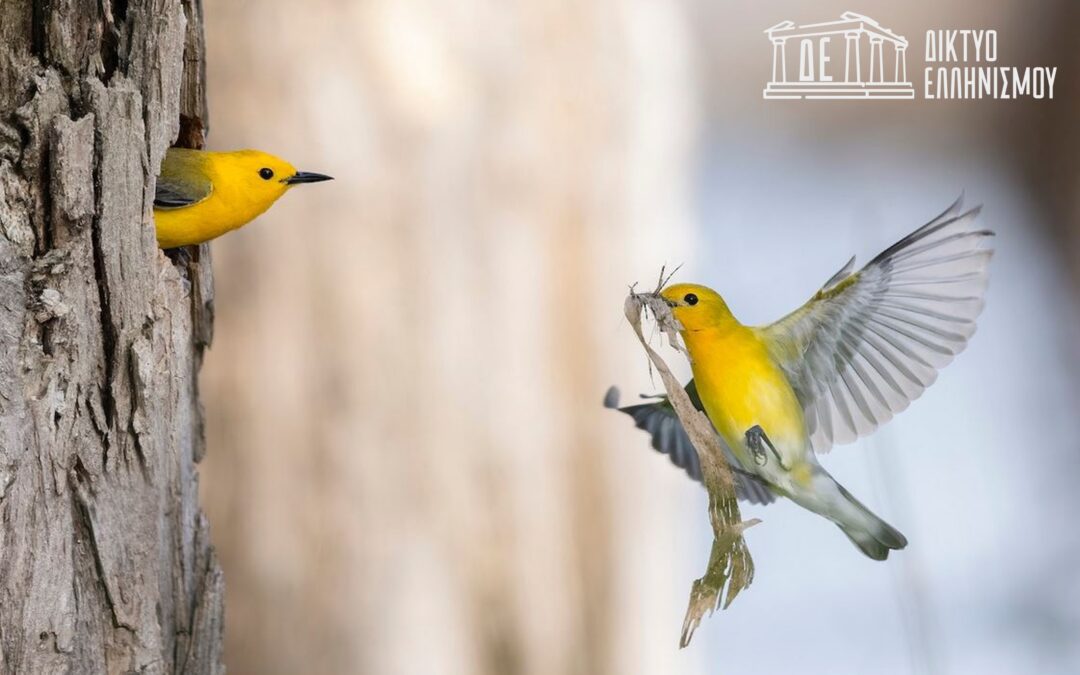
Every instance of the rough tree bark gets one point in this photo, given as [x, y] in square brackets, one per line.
[105, 561]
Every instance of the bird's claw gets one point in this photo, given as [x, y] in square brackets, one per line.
[757, 440]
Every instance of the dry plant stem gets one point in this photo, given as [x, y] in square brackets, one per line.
[730, 565]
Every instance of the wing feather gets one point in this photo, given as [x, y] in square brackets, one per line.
[869, 343]
[658, 418]
[183, 181]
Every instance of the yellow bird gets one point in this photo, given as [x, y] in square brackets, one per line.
[202, 195]
[864, 347]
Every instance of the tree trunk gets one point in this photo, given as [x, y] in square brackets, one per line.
[105, 561]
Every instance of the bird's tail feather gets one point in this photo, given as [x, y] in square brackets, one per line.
[871, 534]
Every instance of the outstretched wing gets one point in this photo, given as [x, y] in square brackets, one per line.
[868, 344]
[182, 181]
[668, 436]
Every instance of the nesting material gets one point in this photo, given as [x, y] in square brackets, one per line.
[730, 568]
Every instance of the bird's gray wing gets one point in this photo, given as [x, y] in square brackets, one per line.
[658, 418]
[182, 181]
[869, 343]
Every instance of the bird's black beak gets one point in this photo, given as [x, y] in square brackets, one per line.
[306, 177]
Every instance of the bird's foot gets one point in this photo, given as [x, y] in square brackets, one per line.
[757, 440]
[180, 256]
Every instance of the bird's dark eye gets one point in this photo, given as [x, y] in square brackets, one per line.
[266, 174]
[690, 299]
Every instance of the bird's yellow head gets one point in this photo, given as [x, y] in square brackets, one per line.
[696, 307]
[261, 175]
[201, 195]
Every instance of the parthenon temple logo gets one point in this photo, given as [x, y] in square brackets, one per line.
[854, 57]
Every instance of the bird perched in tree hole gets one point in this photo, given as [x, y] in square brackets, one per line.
[202, 195]
[862, 349]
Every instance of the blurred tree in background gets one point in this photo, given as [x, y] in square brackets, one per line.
[410, 471]
[409, 373]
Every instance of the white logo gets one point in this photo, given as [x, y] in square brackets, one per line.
[870, 64]
[811, 61]
[965, 75]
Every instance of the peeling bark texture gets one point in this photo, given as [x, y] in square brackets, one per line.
[105, 560]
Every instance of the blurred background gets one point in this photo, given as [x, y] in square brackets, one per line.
[409, 468]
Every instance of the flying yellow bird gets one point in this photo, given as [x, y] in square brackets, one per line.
[202, 195]
[864, 347]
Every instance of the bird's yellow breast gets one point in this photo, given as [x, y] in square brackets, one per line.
[237, 196]
[741, 386]
[224, 210]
